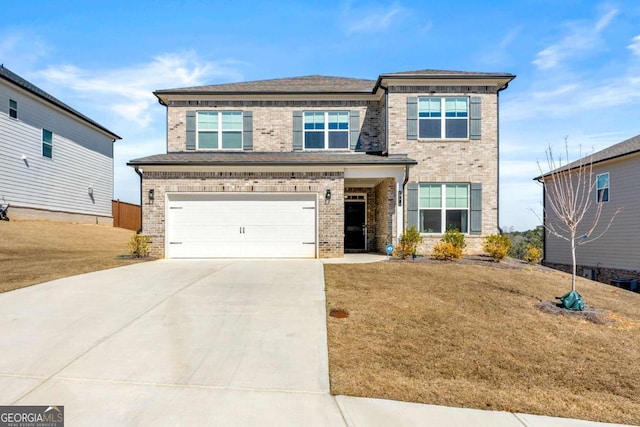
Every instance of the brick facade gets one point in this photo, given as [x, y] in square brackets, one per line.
[330, 215]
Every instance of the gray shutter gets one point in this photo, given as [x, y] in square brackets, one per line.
[412, 199]
[412, 117]
[354, 130]
[297, 130]
[247, 130]
[475, 226]
[474, 117]
[191, 130]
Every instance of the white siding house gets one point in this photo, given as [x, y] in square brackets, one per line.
[617, 253]
[55, 163]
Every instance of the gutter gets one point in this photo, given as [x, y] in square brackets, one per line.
[506, 85]
[140, 175]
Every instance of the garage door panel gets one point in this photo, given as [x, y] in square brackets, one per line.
[248, 225]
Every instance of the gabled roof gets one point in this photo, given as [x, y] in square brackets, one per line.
[12, 77]
[621, 149]
[260, 158]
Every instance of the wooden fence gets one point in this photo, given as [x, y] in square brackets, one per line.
[126, 215]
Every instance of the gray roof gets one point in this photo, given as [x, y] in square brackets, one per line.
[306, 84]
[325, 84]
[621, 149]
[12, 77]
[260, 158]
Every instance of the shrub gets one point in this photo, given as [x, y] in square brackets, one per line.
[533, 254]
[497, 246]
[446, 251]
[409, 242]
[455, 237]
[139, 245]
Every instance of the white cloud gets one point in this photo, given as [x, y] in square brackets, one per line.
[634, 46]
[370, 21]
[581, 38]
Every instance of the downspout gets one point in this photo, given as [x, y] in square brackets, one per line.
[404, 197]
[506, 85]
[140, 175]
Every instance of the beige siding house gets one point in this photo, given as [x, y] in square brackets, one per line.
[318, 166]
[55, 163]
[617, 253]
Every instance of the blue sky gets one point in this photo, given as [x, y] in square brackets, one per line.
[577, 62]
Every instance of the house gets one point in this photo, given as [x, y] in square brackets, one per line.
[55, 163]
[617, 253]
[318, 166]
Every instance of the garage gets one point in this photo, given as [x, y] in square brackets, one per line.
[246, 225]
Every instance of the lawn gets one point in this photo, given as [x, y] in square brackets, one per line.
[472, 336]
[33, 252]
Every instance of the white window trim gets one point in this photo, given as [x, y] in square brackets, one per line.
[219, 131]
[326, 130]
[443, 129]
[443, 208]
[608, 187]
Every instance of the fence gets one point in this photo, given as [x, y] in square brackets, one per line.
[126, 215]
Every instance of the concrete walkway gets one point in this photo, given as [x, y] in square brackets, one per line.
[193, 342]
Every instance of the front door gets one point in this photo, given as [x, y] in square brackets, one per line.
[355, 214]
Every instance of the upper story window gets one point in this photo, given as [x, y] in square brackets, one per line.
[602, 187]
[326, 130]
[47, 143]
[219, 130]
[443, 118]
[13, 109]
[443, 206]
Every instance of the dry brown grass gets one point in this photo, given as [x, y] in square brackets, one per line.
[33, 252]
[472, 336]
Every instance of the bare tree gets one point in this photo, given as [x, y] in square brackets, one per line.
[569, 190]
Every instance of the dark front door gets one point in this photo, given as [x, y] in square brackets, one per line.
[354, 226]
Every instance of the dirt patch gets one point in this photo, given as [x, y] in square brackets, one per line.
[338, 313]
[593, 315]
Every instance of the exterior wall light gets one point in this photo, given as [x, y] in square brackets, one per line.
[90, 191]
[151, 195]
[327, 196]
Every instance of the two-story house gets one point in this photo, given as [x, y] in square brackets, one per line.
[318, 166]
[55, 163]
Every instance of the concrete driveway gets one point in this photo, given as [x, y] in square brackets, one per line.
[190, 342]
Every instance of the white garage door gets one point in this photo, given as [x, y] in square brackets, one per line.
[245, 225]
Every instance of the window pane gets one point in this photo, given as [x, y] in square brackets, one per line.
[457, 219]
[603, 195]
[313, 139]
[456, 107]
[429, 107]
[338, 139]
[231, 121]
[47, 150]
[47, 136]
[207, 140]
[456, 128]
[208, 120]
[457, 196]
[430, 196]
[314, 120]
[430, 128]
[430, 221]
[232, 140]
[603, 181]
[13, 104]
[338, 120]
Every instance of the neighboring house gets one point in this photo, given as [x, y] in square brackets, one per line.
[616, 173]
[55, 163]
[318, 166]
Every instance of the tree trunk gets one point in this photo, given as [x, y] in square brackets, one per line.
[573, 261]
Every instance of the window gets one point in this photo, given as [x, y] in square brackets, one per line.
[326, 130]
[434, 124]
[219, 130]
[47, 143]
[443, 206]
[602, 187]
[13, 109]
